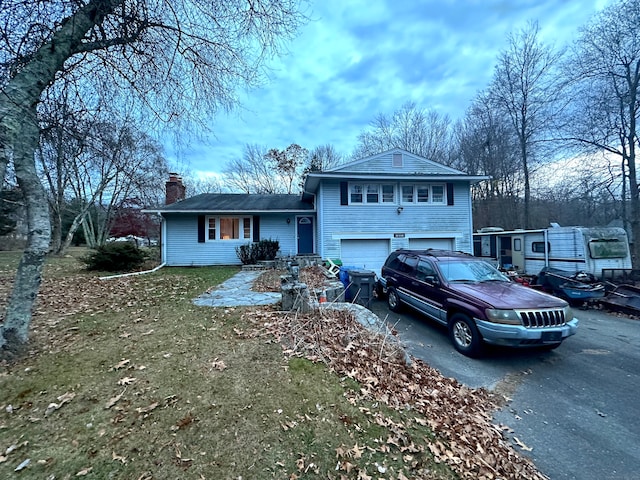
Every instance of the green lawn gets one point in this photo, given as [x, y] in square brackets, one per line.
[127, 379]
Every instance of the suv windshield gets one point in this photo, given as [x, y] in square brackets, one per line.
[470, 271]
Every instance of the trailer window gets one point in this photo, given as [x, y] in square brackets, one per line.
[607, 248]
[538, 247]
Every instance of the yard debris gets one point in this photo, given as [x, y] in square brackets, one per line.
[467, 441]
[112, 401]
[62, 399]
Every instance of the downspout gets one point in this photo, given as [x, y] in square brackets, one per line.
[163, 257]
[109, 277]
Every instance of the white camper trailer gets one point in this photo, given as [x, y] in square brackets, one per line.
[600, 251]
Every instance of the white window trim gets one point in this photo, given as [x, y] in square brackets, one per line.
[415, 186]
[240, 229]
[365, 185]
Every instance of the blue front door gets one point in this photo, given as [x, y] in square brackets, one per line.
[305, 235]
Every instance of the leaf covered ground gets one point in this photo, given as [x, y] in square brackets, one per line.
[127, 379]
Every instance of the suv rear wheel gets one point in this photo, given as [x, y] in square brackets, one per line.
[393, 300]
[465, 335]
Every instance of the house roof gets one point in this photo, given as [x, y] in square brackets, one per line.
[381, 167]
[236, 203]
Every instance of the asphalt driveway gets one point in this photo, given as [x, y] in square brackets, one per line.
[574, 410]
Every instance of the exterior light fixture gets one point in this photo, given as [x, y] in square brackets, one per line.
[400, 210]
[288, 221]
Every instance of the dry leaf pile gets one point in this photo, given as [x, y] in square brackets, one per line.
[269, 281]
[468, 441]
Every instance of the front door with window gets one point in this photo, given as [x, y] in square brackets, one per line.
[305, 235]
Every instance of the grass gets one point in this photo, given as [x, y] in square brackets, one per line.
[127, 379]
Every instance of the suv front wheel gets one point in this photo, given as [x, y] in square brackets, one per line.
[393, 300]
[465, 335]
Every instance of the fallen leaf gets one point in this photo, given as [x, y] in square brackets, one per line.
[126, 381]
[23, 465]
[147, 409]
[121, 364]
[117, 457]
[112, 401]
[522, 445]
[84, 471]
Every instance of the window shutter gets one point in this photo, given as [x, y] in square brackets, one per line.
[256, 228]
[344, 193]
[201, 229]
[449, 193]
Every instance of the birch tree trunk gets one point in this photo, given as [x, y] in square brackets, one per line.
[19, 134]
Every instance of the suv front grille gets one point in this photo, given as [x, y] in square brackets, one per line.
[542, 318]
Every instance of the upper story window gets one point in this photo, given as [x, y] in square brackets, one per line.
[397, 160]
[371, 193]
[423, 193]
[228, 228]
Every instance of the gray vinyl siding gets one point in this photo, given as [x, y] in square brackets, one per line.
[337, 221]
[182, 247]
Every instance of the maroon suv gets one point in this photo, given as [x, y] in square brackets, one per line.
[477, 302]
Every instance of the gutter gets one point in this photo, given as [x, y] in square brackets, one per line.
[109, 277]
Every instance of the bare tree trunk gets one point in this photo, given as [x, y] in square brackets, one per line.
[14, 331]
[19, 134]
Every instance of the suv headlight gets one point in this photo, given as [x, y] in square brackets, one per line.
[507, 317]
[568, 314]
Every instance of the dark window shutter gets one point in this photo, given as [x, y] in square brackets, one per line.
[449, 193]
[256, 228]
[201, 229]
[344, 193]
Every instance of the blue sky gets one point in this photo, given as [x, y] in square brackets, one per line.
[358, 58]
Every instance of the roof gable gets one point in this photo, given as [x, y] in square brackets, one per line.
[383, 163]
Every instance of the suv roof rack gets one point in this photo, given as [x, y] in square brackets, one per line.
[436, 252]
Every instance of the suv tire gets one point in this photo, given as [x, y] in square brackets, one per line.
[393, 300]
[465, 335]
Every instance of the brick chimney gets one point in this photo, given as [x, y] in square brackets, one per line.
[176, 191]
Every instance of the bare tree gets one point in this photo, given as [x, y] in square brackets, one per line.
[605, 66]
[252, 173]
[526, 89]
[422, 132]
[485, 145]
[178, 58]
[323, 157]
[288, 163]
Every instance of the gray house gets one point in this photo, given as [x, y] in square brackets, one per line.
[358, 213]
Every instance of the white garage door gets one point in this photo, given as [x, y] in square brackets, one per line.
[425, 243]
[368, 254]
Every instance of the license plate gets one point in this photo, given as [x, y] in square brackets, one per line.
[555, 336]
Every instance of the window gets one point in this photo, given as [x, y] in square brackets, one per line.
[371, 193]
[211, 229]
[437, 193]
[538, 247]
[356, 194]
[228, 228]
[397, 160]
[607, 248]
[407, 194]
[517, 244]
[387, 194]
[423, 193]
[424, 270]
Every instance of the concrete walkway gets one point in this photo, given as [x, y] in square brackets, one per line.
[236, 292]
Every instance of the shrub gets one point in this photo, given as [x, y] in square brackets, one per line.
[251, 253]
[115, 257]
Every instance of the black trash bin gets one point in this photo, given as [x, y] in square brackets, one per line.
[361, 286]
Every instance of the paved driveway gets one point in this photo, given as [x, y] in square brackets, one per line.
[577, 407]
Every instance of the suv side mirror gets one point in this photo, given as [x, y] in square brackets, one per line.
[433, 279]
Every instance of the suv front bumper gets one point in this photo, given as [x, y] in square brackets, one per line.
[518, 335]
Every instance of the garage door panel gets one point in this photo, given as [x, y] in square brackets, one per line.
[369, 254]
